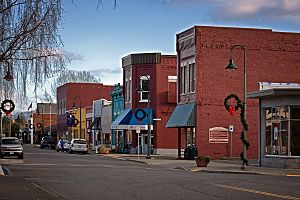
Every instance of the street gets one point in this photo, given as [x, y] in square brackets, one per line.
[47, 174]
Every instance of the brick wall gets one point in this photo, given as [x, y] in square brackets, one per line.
[270, 57]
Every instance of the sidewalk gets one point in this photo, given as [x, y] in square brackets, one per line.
[215, 166]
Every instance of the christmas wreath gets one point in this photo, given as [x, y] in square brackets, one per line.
[39, 125]
[231, 110]
[7, 106]
[137, 115]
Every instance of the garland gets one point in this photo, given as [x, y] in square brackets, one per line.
[231, 110]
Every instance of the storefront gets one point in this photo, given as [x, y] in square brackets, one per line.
[126, 126]
[184, 116]
[279, 127]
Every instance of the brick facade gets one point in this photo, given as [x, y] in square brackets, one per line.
[162, 95]
[84, 93]
[270, 57]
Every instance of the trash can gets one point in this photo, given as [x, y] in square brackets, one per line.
[190, 153]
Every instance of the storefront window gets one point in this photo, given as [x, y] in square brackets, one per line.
[277, 131]
[190, 137]
[295, 131]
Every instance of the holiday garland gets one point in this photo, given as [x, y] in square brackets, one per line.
[231, 110]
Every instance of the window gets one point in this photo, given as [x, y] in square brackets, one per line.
[182, 78]
[144, 84]
[187, 77]
[186, 69]
[130, 89]
[192, 77]
[280, 128]
[127, 90]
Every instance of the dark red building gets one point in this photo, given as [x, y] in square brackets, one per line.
[44, 120]
[80, 94]
[154, 73]
[203, 82]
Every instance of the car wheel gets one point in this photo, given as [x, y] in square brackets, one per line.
[1, 156]
[70, 151]
[21, 156]
[42, 146]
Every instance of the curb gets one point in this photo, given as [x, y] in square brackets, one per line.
[1, 171]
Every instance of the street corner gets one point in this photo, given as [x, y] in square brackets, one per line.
[1, 171]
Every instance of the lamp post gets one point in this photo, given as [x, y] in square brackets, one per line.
[231, 65]
[74, 107]
[140, 89]
[38, 112]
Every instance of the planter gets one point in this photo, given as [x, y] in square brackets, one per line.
[202, 161]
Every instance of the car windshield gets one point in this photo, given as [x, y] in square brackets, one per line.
[80, 141]
[10, 141]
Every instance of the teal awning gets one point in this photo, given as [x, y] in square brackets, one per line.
[184, 115]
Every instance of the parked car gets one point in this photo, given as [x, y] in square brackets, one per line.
[48, 141]
[66, 145]
[78, 145]
[11, 146]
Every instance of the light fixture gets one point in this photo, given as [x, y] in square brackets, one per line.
[8, 76]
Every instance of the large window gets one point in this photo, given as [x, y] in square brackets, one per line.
[282, 124]
[192, 77]
[187, 77]
[144, 84]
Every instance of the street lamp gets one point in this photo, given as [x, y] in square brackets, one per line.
[38, 112]
[140, 89]
[231, 65]
[74, 107]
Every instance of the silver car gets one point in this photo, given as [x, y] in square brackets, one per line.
[78, 145]
[11, 146]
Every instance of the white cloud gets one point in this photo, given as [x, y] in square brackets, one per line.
[250, 10]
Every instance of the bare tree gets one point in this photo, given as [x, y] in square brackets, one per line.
[73, 76]
[29, 44]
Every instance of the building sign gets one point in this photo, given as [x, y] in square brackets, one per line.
[218, 135]
[130, 127]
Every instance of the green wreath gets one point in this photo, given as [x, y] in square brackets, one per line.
[4, 105]
[231, 109]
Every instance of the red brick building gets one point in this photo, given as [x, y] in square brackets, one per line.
[45, 115]
[83, 95]
[154, 73]
[203, 82]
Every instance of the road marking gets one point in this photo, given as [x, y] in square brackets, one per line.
[257, 192]
[293, 175]
[38, 164]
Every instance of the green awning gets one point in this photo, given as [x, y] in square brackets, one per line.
[184, 115]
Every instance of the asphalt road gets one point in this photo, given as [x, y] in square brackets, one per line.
[47, 174]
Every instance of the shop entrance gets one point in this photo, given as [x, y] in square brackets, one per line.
[144, 143]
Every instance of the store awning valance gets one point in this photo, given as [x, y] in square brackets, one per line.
[122, 120]
[184, 115]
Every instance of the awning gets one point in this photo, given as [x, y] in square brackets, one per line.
[139, 119]
[95, 122]
[184, 115]
[122, 120]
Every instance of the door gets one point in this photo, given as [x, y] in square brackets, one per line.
[144, 144]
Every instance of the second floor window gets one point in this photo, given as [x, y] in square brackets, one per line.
[144, 84]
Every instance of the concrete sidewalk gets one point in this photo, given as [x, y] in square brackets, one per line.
[215, 166]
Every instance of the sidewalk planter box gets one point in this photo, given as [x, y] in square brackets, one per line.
[202, 161]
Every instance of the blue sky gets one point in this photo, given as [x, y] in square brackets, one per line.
[96, 40]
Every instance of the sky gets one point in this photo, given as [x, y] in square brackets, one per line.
[97, 39]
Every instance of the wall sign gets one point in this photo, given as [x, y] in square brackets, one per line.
[218, 135]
